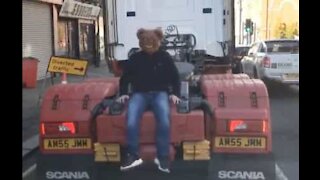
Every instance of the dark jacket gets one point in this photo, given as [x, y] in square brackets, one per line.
[156, 72]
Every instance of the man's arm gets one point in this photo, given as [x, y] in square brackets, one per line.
[174, 74]
[126, 77]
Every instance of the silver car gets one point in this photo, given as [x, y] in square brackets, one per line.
[273, 59]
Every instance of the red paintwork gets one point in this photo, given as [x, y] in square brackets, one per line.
[70, 106]
[238, 106]
[191, 126]
[183, 127]
[29, 72]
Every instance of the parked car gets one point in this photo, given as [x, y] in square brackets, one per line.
[273, 59]
[239, 53]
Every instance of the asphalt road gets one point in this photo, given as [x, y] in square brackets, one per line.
[284, 104]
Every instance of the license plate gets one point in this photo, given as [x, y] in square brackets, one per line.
[284, 65]
[240, 142]
[291, 76]
[71, 143]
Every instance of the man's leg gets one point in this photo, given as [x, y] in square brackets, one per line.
[136, 107]
[161, 108]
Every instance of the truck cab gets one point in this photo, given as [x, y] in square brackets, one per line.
[224, 118]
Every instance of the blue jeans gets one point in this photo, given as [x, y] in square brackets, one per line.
[159, 103]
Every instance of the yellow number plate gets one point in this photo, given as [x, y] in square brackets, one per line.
[291, 76]
[74, 143]
[240, 142]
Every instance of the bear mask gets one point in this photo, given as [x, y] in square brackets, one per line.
[150, 40]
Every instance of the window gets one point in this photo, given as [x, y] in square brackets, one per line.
[62, 47]
[282, 46]
[87, 41]
[67, 38]
[254, 48]
[241, 51]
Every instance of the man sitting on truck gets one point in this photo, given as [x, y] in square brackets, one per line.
[154, 79]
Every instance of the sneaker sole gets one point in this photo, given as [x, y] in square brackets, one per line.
[156, 161]
[134, 164]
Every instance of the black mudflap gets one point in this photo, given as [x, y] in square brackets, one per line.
[220, 167]
[83, 167]
[78, 166]
[180, 170]
[242, 167]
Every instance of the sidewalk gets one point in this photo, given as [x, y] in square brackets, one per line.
[31, 106]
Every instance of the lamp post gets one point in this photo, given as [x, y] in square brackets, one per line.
[267, 16]
[240, 21]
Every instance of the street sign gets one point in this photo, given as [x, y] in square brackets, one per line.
[74, 9]
[67, 65]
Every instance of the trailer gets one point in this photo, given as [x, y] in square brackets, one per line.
[220, 130]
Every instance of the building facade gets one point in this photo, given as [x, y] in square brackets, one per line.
[272, 19]
[47, 32]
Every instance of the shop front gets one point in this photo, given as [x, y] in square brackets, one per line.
[76, 31]
[37, 33]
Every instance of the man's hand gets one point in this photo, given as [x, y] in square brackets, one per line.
[174, 99]
[122, 99]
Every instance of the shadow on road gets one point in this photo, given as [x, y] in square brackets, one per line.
[280, 90]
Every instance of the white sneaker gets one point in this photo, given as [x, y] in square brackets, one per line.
[163, 165]
[130, 162]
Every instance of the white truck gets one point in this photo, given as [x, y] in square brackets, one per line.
[206, 27]
[220, 130]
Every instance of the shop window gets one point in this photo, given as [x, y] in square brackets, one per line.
[87, 41]
[62, 48]
[67, 39]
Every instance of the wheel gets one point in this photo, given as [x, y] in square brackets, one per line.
[255, 73]
[240, 68]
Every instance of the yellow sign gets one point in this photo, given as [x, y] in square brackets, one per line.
[67, 65]
[62, 144]
[240, 142]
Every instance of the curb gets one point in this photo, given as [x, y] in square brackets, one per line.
[30, 144]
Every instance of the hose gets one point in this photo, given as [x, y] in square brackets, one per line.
[197, 103]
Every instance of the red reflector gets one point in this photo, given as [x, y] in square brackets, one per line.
[58, 128]
[255, 126]
[266, 62]
[237, 125]
[68, 126]
[43, 132]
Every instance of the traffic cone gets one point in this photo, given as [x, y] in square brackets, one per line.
[64, 78]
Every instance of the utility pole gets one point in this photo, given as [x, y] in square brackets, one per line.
[267, 16]
[233, 29]
[254, 31]
[240, 22]
[105, 28]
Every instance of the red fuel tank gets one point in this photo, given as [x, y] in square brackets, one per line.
[65, 113]
[74, 101]
[184, 127]
[223, 76]
[104, 79]
[242, 114]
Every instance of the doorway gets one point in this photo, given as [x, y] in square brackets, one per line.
[87, 44]
[67, 39]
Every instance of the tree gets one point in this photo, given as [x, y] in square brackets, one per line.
[281, 31]
[287, 31]
[293, 30]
